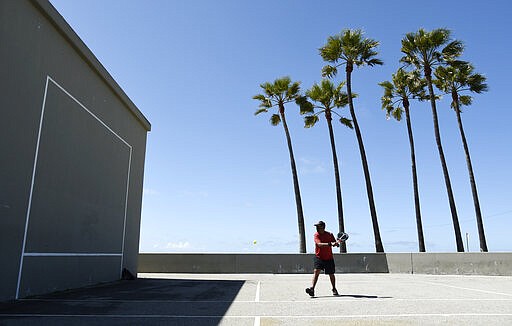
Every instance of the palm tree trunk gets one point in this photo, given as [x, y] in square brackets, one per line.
[479, 221]
[298, 201]
[455, 219]
[421, 240]
[378, 242]
[341, 223]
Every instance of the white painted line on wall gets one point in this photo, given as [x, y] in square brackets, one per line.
[125, 212]
[31, 188]
[69, 254]
[257, 321]
[27, 219]
[129, 165]
[88, 111]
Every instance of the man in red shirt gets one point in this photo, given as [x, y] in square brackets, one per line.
[324, 260]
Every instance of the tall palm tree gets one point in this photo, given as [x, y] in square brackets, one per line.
[454, 79]
[426, 50]
[277, 94]
[328, 97]
[397, 93]
[351, 48]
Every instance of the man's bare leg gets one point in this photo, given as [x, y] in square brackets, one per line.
[316, 273]
[311, 290]
[333, 283]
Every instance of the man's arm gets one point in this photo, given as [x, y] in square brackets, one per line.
[325, 244]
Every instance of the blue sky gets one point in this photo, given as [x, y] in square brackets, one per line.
[217, 177]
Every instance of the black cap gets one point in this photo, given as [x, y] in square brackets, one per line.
[320, 223]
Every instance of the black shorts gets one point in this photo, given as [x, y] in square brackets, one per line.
[326, 265]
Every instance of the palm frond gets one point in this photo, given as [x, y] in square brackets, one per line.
[275, 119]
[388, 109]
[293, 91]
[453, 50]
[259, 97]
[310, 121]
[281, 91]
[417, 85]
[411, 60]
[328, 95]
[397, 113]
[374, 62]
[404, 85]
[331, 51]
[260, 111]
[346, 122]
[304, 105]
[349, 47]
[342, 100]
[426, 97]
[329, 71]
[265, 102]
[445, 78]
[465, 100]
[387, 85]
[387, 102]
[281, 85]
[437, 37]
[476, 83]
[315, 92]
[267, 88]
[424, 49]
[457, 77]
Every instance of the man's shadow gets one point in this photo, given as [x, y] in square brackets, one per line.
[358, 296]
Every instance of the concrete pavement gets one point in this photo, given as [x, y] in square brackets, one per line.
[274, 299]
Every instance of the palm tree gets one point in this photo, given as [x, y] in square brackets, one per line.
[329, 96]
[351, 48]
[426, 50]
[397, 93]
[454, 79]
[277, 94]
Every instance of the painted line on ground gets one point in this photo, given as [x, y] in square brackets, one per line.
[257, 319]
[267, 316]
[258, 289]
[264, 301]
[470, 289]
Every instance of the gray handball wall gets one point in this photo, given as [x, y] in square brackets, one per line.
[72, 159]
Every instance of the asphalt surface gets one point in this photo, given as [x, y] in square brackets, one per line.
[273, 299]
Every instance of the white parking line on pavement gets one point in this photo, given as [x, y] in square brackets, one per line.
[266, 316]
[257, 319]
[464, 288]
[258, 288]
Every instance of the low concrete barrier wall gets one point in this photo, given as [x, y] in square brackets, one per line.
[256, 263]
[463, 263]
[417, 263]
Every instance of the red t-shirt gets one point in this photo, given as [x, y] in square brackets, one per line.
[324, 253]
